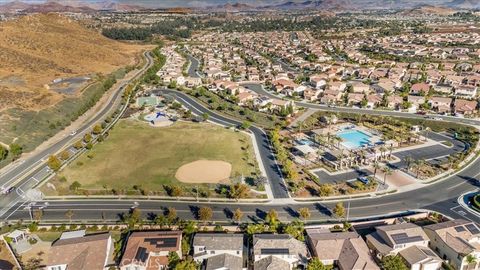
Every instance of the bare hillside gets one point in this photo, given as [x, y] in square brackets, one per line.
[36, 49]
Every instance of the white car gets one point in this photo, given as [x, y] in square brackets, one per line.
[73, 133]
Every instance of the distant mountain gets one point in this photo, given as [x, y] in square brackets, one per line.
[464, 4]
[55, 7]
[13, 6]
[65, 6]
[429, 10]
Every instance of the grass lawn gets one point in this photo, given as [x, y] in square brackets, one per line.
[137, 154]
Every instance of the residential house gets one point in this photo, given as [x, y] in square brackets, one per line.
[77, 251]
[312, 94]
[416, 102]
[219, 250]
[281, 250]
[420, 89]
[346, 250]
[360, 87]
[318, 81]
[466, 91]
[394, 101]
[456, 241]
[355, 98]
[374, 100]
[390, 239]
[465, 107]
[150, 249]
[441, 104]
[421, 258]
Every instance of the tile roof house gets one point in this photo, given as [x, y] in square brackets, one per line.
[279, 246]
[441, 104]
[148, 250]
[454, 241]
[77, 251]
[219, 250]
[391, 239]
[347, 250]
[465, 107]
[417, 257]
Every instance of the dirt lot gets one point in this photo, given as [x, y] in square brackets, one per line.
[204, 171]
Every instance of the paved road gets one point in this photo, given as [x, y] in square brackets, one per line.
[440, 196]
[26, 175]
[272, 170]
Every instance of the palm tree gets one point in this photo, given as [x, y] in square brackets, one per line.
[386, 171]
[409, 161]
[419, 163]
[470, 259]
[376, 166]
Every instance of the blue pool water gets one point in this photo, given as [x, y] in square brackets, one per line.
[353, 139]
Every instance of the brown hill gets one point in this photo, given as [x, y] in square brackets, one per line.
[36, 49]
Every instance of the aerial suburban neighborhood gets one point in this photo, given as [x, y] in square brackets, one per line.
[220, 135]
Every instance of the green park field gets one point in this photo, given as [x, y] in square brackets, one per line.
[136, 154]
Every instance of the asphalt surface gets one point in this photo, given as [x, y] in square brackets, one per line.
[25, 175]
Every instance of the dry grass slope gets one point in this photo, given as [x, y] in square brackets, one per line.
[36, 49]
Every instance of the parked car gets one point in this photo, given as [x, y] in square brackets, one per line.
[9, 190]
[364, 180]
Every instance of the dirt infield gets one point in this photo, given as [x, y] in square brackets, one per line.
[204, 171]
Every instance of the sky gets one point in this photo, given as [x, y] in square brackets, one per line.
[203, 3]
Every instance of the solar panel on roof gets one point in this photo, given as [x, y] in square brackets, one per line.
[472, 228]
[274, 251]
[403, 238]
[428, 252]
[459, 229]
[142, 254]
[168, 242]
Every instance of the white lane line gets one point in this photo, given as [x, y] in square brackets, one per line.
[13, 212]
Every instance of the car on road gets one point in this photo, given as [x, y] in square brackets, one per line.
[9, 190]
[73, 133]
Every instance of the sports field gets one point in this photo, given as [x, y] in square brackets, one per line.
[138, 154]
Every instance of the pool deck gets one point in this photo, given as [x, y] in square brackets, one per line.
[433, 149]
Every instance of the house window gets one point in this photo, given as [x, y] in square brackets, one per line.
[212, 252]
[238, 252]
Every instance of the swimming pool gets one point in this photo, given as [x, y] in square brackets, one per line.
[353, 139]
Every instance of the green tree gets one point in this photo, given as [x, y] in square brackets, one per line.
[295, 229]
[54, 163]
[65, 154]
[205, 213]
[78, 145]
[97, 129]
[393, 263]
[205, 116]
[245, 125]
[87, 138]
[272, 219]
[133, 218]
[304, 213]
[3, 153]
[339, 210]
[316, 264]
[69, 214]
[171, 215]
[237, 215]
[188, 264]
[173, 259]
[239, 191]
[16, 150]
[75, 186]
